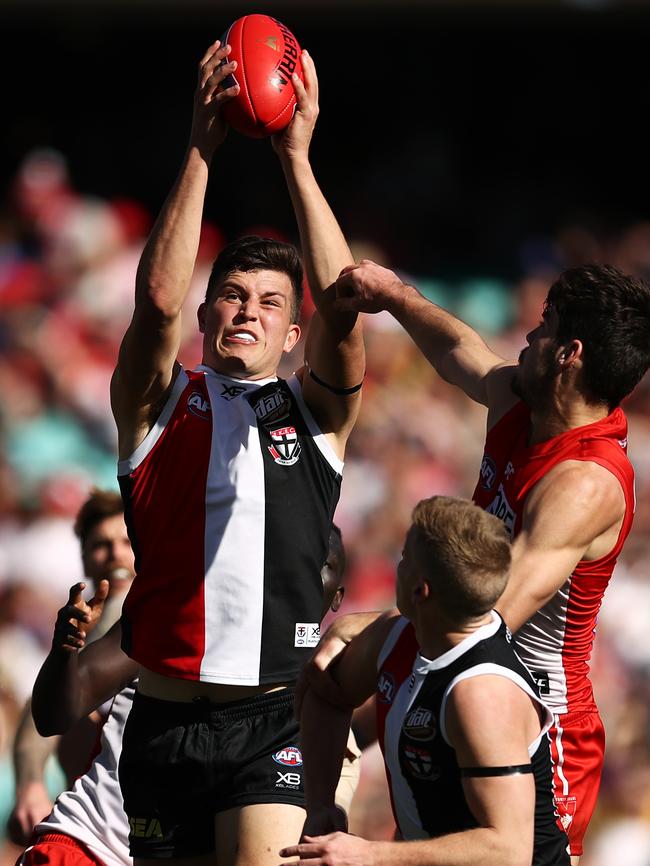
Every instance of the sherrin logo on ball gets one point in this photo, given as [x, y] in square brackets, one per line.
[289, 757]
[267, 55]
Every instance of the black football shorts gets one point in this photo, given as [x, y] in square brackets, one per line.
[182, 763]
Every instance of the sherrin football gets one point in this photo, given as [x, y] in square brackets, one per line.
[267, 53]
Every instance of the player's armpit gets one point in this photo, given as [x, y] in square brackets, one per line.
[574, 512]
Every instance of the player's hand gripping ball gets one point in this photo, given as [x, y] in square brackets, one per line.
[267, 54]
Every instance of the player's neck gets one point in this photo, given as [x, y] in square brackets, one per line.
[566, 411]
[437, 636]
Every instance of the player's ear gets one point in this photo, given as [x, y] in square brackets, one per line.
[200, 315]
[569, 354]
[338, 599]
[421, 591]
[292, 337]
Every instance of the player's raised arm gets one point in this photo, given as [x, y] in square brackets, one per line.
[148, 352]
[334, 351]
[458, 354]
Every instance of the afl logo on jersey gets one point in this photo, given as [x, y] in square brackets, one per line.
[420, 724]
[289, 757]
[199, 406]
[385, 688]
[488, 472]
[286, 447]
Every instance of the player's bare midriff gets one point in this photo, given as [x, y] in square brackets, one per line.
[155, 685]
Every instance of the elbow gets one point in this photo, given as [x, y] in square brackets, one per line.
[48, 720]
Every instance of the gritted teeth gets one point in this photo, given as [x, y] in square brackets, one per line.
[240, 335]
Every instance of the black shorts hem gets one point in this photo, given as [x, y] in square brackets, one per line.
[167, 852]
[254, 799]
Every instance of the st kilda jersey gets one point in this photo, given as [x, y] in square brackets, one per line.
[228, 502]
[556, 643]
[423, 775]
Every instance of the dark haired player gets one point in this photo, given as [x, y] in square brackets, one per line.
[460, 722]
[554, 470]
[230, 478]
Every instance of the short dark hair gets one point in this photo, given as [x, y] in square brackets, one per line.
[99, 505]
[252, 253]
[464, 554]
[609, 312]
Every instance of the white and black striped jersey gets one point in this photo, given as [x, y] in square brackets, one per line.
[229, 502]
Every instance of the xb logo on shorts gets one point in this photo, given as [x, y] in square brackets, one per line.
[291, 756]
[286, 447]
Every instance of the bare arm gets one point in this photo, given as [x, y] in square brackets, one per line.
[30, 755]
[148, 352]
[457, 353]
[71, 683]
[573, 513]
[355, 677]
[334, 349]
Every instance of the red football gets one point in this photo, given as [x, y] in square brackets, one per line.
[267, 53]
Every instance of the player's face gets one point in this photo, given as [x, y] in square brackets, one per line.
[247, 324]
[537, 363]
[407, 577]
[108, 554]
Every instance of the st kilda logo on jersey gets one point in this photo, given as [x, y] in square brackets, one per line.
[420, 724]
[286, 446]
[419, 763]
[199, 405]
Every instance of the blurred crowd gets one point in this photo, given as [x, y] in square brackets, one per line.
[67, 271]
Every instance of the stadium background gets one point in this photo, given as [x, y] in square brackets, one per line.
[478, 149]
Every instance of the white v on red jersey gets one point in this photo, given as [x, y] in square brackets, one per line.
[556, 643]
[228, 502]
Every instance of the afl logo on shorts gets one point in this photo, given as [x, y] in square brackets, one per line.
[289, 757]
[488, 472]
[198, 405]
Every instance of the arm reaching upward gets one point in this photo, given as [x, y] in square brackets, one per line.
[147, 356]
[334, 351]
[456, 351]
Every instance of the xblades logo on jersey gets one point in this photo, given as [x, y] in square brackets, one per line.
[231, 391]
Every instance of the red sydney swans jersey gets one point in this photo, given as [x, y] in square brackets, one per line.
[555, 644]
[229, 502]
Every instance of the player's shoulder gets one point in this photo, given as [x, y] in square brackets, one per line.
[584, 483]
